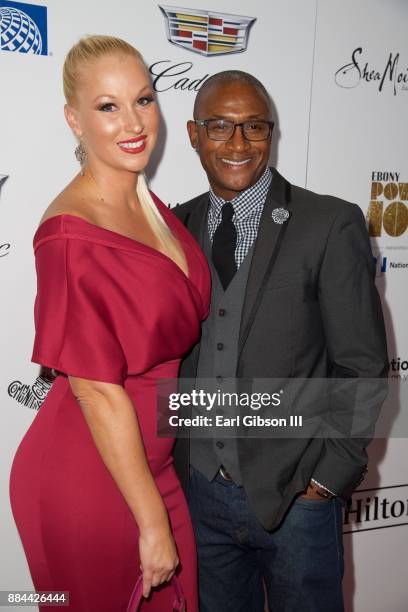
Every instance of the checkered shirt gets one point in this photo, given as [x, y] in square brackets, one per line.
[248, 207]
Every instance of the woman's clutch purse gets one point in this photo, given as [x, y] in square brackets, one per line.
[179, 604]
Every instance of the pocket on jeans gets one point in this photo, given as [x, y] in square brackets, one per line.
[312, 504]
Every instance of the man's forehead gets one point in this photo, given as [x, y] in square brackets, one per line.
[230, 92]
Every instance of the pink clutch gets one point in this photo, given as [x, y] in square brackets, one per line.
[179, 604]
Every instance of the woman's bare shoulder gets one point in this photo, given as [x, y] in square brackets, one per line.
[69, 202]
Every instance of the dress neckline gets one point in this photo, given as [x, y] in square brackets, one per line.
[128, 239]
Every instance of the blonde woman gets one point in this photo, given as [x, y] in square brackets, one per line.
[121, 291]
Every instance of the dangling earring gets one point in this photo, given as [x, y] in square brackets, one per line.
[80, 154]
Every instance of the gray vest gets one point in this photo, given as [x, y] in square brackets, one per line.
[218, 360]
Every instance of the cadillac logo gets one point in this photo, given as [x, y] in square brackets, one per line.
[206, 32]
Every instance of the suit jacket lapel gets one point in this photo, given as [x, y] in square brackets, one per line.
[196, 221]
[266, 249]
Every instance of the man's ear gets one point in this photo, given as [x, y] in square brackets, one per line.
[72, 120]
[193, 134]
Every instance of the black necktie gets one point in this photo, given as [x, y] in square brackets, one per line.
[223, 247]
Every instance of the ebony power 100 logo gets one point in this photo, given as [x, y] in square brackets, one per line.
[388, 209]
[23, 28]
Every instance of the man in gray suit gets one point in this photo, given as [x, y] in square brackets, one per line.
[293, 298]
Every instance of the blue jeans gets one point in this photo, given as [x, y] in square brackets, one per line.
[300, 565]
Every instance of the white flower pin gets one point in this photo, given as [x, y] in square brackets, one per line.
[280, 215]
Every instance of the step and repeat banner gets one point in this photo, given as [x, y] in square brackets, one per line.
[357, 150]
[337, 72]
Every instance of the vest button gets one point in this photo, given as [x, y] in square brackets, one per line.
[219, 379]
[220, 444]
[220, 346]
[221, 312]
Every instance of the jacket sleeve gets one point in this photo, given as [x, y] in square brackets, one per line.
[356, 342]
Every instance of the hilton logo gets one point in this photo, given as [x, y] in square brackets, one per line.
[23, 28]
[206, 32]
[376, 509]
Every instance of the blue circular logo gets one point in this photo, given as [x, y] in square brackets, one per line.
[18, 32]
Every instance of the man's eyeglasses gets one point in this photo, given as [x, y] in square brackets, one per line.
[220, 129]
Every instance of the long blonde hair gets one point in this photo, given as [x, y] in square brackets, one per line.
[87, 50]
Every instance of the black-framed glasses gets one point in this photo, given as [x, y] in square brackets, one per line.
[221, 129]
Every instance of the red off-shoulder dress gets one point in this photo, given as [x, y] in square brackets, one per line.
[111, 309]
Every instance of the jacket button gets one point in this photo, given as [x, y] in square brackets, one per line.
[221, 312]
[220, 444]
[220, 346]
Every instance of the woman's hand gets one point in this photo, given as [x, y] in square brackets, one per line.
[158, 556]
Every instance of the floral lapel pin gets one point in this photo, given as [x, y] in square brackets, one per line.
[280, 215]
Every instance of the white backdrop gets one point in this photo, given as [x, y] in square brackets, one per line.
[340, 127]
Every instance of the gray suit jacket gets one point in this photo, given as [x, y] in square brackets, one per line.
[311, 310]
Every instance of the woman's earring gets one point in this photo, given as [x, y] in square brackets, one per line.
[80, 154]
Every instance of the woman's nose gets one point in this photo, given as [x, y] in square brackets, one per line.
[133, 121]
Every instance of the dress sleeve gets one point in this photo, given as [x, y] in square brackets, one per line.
[74, 324]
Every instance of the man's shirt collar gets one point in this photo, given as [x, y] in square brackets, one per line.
[245, 202]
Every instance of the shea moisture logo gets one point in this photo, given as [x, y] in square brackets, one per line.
[393, 73]
[388, 209]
